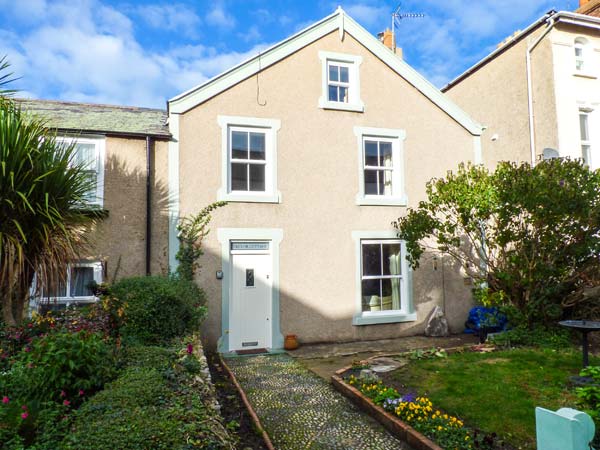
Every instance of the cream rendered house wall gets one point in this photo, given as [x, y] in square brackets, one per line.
[317, 160]
[576, 90]
[120, 238]
[496, 96]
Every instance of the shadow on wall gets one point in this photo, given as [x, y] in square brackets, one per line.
[438, 281]
[120, 239]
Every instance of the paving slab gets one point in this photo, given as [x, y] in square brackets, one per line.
[325, 359]
[299, 410]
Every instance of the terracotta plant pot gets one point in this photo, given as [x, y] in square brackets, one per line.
[291, 342]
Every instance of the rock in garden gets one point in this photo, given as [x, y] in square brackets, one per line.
[437, 325]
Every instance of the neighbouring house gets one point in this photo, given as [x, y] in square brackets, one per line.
[538, 93]
[125, 150]
[589, 7]
[318, 144]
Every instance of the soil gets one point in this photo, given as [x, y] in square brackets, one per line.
[233, 409]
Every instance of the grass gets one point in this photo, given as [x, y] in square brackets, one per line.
[496, 392]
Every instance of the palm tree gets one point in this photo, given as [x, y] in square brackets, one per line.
[43, 222]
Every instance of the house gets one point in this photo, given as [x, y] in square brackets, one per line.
[318, 143]
[589, 7]
[538, 93]
[125, 150]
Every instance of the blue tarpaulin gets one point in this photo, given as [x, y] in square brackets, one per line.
[489, 319]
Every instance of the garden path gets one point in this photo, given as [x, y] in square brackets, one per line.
[299, 410]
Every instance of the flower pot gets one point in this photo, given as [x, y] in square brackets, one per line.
[291, 342]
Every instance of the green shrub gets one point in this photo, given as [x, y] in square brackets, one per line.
[60, 366]
[556, 338]
[160, 308]
[156, 403]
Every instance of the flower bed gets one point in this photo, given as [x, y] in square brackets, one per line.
[411, 418]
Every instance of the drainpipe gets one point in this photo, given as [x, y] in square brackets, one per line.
[551, 22]
[148, 204]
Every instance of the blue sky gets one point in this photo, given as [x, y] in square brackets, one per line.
[142, 53]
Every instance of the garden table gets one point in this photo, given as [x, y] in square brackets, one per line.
[585, 327]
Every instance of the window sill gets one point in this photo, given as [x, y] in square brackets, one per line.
[363, 200]
[248, 198]
[585, 75]
[383, 317]
[340, 106]
[65, 300]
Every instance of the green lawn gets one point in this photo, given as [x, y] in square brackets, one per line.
[496, 392]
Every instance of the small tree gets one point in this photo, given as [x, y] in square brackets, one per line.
[527, 233]
[42, 193]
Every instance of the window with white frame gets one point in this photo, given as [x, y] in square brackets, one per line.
[340, 82]
[382, 279]
[381, 177]
[584, 133]
[249, 159]
[89, 155]
[78, 285]
[580, 48]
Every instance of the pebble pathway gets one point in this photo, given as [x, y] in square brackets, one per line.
[301, 411]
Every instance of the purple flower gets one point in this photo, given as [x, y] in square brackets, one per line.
[190, 349]
[5, 400]
[24, 415]
[409, 397]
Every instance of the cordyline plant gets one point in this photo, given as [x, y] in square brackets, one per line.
[527, 234]
[42, 220]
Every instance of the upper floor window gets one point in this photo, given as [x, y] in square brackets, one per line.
[340, 82]
[381, 177]
[249, 162]
[89, 155]
[584, 134]
[580, 54]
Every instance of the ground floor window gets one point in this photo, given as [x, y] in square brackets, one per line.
[78, 285]
[383, 279]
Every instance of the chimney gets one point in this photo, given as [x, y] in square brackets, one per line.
[387, 38]
[583, 2]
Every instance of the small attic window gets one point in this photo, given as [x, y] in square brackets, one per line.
[340, 82]
[580, 54]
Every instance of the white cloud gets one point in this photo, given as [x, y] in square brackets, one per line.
[174, 17]
[369, 15]
[89, 53]
[218, 17]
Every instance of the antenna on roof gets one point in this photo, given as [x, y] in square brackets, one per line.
[397, 16]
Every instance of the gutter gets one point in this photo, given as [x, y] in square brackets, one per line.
[551, 22]
[149, 143]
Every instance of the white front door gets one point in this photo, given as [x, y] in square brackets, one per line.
[250, 307]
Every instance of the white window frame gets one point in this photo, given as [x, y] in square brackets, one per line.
[353, 63]
[406, 313]
[100, 144]
[249, 124]
[590, 142]
[98, 278]
[581, 43]
[396, 137]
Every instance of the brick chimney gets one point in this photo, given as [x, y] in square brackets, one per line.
[387, 38]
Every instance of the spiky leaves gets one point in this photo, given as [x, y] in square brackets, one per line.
[43, 219]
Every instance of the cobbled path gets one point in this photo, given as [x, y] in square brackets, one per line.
[301, 411]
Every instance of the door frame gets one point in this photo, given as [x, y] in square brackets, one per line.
[225, 236]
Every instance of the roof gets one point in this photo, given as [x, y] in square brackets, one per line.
[104, 119]
[560, 16]
[592, 8]
[343, 23]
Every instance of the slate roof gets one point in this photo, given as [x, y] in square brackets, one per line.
[105, 119]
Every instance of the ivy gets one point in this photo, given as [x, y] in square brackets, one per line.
[191, 232]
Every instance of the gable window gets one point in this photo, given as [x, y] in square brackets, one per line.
[249, 161]
[381, 177]
[78, 285]
[382, 279]
[584, 133]
[89, 155]
[340, 82]
[580, 54]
